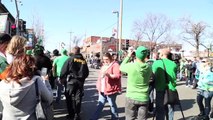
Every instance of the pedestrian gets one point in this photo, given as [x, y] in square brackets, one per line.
[151, 86]
[15, 47]
[18, 93]
[55, 54]
[42, 61]
[189, 67]
[161, 84]
[204, 89]
[57, 66]
[138, 75]
[74, 72]
[108, 86]
[4, 41]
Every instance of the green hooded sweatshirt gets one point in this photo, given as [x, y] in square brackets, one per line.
[159, 74]
[138, 79]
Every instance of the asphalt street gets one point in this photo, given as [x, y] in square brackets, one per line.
[187, 96]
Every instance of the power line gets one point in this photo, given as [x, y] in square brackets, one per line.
[107, 28]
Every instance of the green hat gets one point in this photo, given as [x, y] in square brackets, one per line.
[64, 51]
[141, 52]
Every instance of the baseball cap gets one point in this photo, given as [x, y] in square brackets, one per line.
[141, 52]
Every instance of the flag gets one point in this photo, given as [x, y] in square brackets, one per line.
[114, 32]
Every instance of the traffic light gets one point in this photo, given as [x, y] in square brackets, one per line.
[22, 25]
[13, 29]
[127, 44]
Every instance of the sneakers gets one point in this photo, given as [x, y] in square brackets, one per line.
[201, 116]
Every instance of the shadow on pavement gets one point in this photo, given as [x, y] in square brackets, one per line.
[106, 113]
[189, 118]
[89, 101]
[181, 83]
[60, 110]
[186, 104]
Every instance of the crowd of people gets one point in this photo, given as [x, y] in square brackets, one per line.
[22, 66]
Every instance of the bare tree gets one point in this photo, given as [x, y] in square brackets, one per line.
[138, 38]
[192, 32]
[38, 27]
[154, 29]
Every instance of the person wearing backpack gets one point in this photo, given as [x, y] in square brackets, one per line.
[4, 41]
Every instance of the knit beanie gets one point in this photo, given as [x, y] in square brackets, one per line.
[141, 52]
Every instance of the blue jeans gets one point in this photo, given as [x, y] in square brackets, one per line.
[207, 96]
[102, 99]
[60, 87]
[162, 110]
[136, 109]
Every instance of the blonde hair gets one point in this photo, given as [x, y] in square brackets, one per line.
[16, 45]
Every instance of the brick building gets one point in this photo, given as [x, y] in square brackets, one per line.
[97, 44]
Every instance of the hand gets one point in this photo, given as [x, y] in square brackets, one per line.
[130, 53]
[45, 77]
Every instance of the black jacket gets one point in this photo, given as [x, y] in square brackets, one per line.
[76, 67]
[43, 61]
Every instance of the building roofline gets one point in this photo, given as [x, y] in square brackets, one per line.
[6, 11]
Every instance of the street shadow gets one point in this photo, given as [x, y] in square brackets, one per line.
[123, 90]
[185, 104]
[60, 110]
[182, 83]
[91, 81]
[89, 101]
[189, 118]
[106, 113]
[92, 78]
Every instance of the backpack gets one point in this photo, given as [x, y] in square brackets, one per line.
[3, 64]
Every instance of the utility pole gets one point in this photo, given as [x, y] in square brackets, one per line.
[70, 44]
[120, 27]
[116, 12]
[17, 17]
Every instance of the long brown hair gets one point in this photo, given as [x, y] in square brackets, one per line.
[22, 66]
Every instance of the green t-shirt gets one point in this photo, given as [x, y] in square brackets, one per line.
[138, 79]
[59, 62]
[159, 75]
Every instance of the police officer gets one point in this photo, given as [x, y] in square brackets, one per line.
[74, 73]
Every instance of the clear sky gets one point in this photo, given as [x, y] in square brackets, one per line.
[95, 17]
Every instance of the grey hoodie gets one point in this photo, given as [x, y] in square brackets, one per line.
[19, 101]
